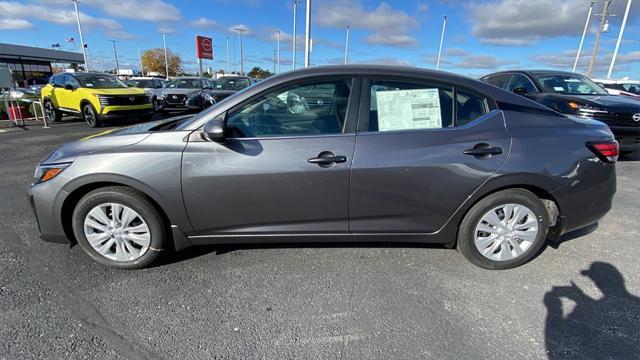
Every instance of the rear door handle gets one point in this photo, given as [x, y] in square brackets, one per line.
[328, 159]
[483, 150]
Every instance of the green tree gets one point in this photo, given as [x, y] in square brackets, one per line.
[153, 61]
[259, 73]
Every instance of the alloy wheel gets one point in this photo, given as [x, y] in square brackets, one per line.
[506, 232]
[89, 116]
[117, 232]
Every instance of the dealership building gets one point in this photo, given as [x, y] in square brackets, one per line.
[34, 64]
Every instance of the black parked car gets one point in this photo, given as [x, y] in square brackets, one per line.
[223, 87]
[339, 153]
[174, 96]
[574, 94]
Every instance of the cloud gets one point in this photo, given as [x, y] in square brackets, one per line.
[120, 35]
[481, 62]
[387, 26]
[384, 61]
[422, 7]
[524, 22]
[232, 29]
[17, 11]
[149, 10]
[204, 23]
[15, 24]
[564, 60]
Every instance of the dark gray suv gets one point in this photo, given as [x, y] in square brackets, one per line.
[340, 153]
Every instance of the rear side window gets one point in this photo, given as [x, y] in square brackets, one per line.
[400, 105]
[469, 106]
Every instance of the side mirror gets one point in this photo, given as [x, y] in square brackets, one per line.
[69, 87]
[520, 91]
[214, 130]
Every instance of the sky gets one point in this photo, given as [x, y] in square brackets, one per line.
[481, 36]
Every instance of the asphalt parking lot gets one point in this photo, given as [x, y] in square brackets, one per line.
[312, 301]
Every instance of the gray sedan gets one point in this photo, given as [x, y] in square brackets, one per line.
[340, 153]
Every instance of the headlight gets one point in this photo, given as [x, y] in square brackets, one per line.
[585, 110]
[47, 172]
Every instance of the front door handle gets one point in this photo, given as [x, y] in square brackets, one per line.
[327, 159]
[483, 151]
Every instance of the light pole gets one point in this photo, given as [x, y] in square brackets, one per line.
[615, 52]
[115, 55]
[295, 12]
[278, 49]
[101, 63]
[307, 36]
[346, 46]
[584, 33]
[603, 21]
[84, 55]
[166, 59]
[444, 25]
[140, 58]
[274, 61]
[228, 57]
[241, 30]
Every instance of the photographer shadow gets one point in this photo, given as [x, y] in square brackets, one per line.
[605, 328]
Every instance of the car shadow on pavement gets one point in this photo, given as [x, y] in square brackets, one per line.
[201, 250]
[604, 328]
[575, 234]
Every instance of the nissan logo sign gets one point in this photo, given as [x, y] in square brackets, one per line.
[132, 98]
[636, 117]
[174, 97]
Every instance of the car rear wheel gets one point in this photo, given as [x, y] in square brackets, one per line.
[51, 113]
[119, 227]
[504, 230]
[90, 116]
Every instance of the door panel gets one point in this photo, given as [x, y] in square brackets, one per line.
[413, 181]
[267, 185]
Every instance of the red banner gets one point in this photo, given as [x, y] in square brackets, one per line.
[204, 47]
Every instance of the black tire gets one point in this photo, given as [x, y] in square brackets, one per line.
[156, 104]
[90, 116]
[52, 114]
[466, 236]
[133, 199]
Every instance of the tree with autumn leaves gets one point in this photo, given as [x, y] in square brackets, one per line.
[153, 61]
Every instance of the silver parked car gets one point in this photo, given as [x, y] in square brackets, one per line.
[339, 153]
[152, 87]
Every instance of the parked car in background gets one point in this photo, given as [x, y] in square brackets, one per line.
[95, 97]
[175, 93]
[620, 87]
[152, 87]
[352, 153]
[574, 94]
[223, 87]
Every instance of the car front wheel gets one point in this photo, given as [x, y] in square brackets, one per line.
[504, 230]
[90, 116]
[119, 227]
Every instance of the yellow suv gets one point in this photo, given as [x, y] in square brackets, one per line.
[95, 97]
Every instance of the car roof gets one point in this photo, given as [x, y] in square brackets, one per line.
[534, 72]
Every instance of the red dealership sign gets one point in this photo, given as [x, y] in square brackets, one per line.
[204, 47]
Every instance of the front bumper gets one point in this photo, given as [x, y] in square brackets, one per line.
[628, 137]
[118, 112]
[46, 203]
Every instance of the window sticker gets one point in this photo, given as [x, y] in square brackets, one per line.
[408, 109]
[88, 84]
[558, 88]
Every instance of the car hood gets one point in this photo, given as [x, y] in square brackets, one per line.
[106, 140]
[118, 91]
[613, 103]
[219, 92]
[180, 91]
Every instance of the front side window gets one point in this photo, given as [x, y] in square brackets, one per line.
[70, 80]
[58, 80]
[400, 105]
[312, 108]
[499, 80]
[569, 84]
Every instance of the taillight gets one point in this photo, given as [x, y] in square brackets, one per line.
[607, 151]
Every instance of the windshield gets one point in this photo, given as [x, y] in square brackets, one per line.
[185, 84]
[100, 81]
[232, 83]
[145, 83]
[569, 85]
